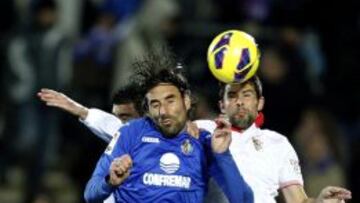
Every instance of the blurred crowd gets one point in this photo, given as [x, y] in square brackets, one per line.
[84, 48]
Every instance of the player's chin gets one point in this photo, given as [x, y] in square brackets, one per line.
[169, 131]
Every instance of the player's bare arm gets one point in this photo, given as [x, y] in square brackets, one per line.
[192, 129]
[61, 101]
[296, 194]
[119, 170]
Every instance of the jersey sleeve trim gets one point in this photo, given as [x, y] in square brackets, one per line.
[290, 183]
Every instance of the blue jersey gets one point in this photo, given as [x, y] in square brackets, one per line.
[165, 169]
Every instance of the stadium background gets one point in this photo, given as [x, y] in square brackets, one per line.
[84, 48]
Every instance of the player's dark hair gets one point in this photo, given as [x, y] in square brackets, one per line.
[253, 81]
[38, 5]
[128, 94]
[158, 67]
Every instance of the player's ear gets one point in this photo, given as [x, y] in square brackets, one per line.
[222, 106]
[187, 101]
[261, 103]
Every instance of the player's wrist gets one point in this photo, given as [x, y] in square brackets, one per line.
[82, 112]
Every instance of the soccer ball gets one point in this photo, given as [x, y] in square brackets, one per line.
[233, 56]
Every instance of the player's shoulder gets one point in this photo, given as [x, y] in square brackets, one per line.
[136, 126]
[138, 122]
[278, 144]
[208, 125]
[274, 137]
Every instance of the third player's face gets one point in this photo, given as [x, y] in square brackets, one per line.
[168, 108]
[241, 105]
[125, 112]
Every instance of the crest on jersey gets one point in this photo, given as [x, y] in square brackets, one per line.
[295, 165]
[258, 144]
[186, 147]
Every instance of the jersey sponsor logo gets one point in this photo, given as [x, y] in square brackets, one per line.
[169, 163]
[112, 143]
[167, 180]
[150, 139]
[186, 147]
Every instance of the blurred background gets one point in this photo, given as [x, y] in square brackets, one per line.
[84, 48]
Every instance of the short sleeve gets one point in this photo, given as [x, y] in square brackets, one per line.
[102, 124]
[122, 141]
[290, 171]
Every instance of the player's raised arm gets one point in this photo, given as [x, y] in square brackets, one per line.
[61, 101]
[102, 124]
[224, 169]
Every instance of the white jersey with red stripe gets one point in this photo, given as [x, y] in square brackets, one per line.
[265, 158]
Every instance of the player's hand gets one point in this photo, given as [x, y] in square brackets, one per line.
[60, 100]
[192, 129]
[221, 139]
[119, 170]
[331, 193]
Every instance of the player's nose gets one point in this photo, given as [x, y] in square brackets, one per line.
[239, 101]
[162, 110]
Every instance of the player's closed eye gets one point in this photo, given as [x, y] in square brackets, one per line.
[155, 105]
[170, 101]
[247, 94]
[231, 95]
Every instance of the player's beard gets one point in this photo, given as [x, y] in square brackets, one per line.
[171, 129]
[242, 122]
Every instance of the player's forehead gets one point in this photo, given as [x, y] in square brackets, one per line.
[124, 107]
[239, 87]
[162, 91]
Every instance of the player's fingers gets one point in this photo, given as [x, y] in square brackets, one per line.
[222, 132]
[337, 192]
[49, 94]
[121, 167]
[113, 166]
[46, 97]
[222, 122]
[127, 163]
[126, 159]
[341, 193]
[335, 189]
[49, 91]
[117, 169]
[120, 170]
[114, 178]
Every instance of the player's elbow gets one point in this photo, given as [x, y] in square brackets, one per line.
[89, 194]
